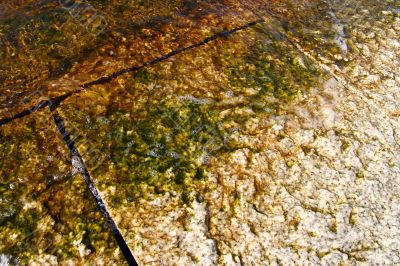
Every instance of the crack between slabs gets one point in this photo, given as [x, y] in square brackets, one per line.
[53, 103]
[43, 104]
[80, 166]
[57, 100]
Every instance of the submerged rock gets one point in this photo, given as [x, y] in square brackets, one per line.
[271, 143]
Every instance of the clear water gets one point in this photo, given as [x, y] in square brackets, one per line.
[151, 93]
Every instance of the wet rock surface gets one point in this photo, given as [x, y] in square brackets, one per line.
[275, 144]
[47, 215]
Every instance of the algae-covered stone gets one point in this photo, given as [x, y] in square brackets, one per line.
[158, 130]
[46, 211]
[274, 144]
[57, 46]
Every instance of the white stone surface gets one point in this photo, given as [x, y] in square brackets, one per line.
[326, 193]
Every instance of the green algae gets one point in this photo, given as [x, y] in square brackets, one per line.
[157, 154]
[151, 148]
[160, 140]
[58, 228]
[44, 208]
[275, 68]
[157, 143]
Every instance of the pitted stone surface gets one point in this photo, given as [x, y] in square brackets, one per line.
[326, 193]
[314, 183]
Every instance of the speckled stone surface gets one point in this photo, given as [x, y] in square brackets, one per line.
[275, 145]
[46, 213]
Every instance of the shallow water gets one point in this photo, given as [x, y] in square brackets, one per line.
[151, 93]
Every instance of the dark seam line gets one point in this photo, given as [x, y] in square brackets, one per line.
[19, 115]
[89, 182]
[111, 77]
[56, 101]
[224, 33]
[45, 103]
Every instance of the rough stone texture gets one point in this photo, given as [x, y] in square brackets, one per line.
[310, 181]
[47, 50]
[328, 191]
[318, 184]
[47, 216]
